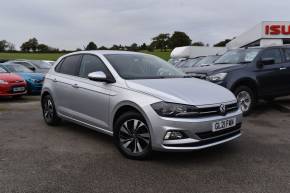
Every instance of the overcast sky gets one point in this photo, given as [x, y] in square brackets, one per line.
[70, 24]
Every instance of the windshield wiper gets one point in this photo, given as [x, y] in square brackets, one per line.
[222, 63]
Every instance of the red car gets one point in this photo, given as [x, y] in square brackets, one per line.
[11, 84]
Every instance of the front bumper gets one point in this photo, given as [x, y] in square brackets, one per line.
[198, 131]
[7, 90]
[34, 88]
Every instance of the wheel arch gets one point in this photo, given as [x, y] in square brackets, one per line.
[249, 82]
[125, 107]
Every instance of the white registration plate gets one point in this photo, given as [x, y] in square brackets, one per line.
[223, 124]
[18, 89]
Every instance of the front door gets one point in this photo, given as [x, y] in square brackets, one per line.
[271, 77]
[93, 97]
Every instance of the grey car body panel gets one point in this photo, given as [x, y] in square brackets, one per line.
[94, 104]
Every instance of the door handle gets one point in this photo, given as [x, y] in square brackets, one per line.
[283, 68]
[75, 86]
[54, 80]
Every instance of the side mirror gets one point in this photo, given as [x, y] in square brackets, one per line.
[265, 61]
[32, 68]
[99, 76]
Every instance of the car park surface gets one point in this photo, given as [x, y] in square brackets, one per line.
[35, 157]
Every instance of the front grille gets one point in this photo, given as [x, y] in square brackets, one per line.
[215, 110]
[211, 134]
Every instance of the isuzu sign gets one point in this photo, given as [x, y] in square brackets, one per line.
[277, 29]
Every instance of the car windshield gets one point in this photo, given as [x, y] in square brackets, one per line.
[207, 60]
[191, 62]
[139, 66]
[17, 68]
[40, 64]
[2, 70]
[240, 56]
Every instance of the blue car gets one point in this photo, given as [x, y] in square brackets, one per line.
[34, 80]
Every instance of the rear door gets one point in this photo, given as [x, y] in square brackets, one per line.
[271, 77]
[65, 82]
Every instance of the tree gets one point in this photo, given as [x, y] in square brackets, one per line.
[198, 44]
[43, 48]
[115, 47]
[133, 47]
[179, 39]
[25, 47]
[31, 44]
[103, 48]
[143, 47]
[3, 45]
[222, 43]
[91, 46]
[161, 41]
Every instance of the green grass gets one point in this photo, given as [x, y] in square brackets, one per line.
[55, 56]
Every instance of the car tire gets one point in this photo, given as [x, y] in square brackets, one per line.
[246, 99]
[49, 111]
[132, 136]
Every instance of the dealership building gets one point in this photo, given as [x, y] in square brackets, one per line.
[267, 33]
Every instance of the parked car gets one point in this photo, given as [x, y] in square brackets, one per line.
[206, 61]
[34, 80]
[144, 102]
[11, 84]
[189, 62]
[175, 61]
[50, 62]
[34, 65]
[251, 74]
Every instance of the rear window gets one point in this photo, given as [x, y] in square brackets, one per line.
[69, 65]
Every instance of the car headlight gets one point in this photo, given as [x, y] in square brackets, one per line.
[3, 82]
[217, 77]
[165, 109]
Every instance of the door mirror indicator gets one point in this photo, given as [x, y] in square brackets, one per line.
[99, 76]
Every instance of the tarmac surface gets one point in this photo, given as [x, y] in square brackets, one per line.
[35, 157]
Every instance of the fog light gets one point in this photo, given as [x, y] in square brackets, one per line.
[174, 135]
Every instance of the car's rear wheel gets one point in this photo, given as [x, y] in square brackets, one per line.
[49, 111]
[132, 136]
[246, 99]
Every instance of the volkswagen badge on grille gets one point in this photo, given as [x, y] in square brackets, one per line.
[223, 109]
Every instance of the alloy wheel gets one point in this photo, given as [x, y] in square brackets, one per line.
[48, 109]
[244, 100]
[134, 136]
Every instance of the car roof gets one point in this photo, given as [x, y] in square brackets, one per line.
[104, 52]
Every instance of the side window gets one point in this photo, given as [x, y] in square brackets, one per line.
[272, 54]
[287, 54]
[25, 64]
[90, 64]
[70, 65]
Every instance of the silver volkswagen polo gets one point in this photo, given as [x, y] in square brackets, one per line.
[142, 101]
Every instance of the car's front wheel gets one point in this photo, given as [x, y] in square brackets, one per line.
[132, 136]
[246, 99]
[49, 111]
